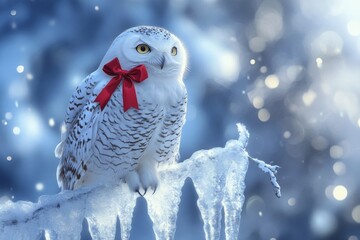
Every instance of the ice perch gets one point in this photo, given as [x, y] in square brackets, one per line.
[218, 175]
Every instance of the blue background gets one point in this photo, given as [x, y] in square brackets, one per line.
[288, 70]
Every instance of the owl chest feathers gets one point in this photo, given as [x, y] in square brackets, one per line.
[164, 91]
[153, 131]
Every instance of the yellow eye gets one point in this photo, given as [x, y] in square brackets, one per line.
[174, 51]
[142, 48]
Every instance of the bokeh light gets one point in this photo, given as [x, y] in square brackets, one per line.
[309, 97]
[20, 69]
[353, 27]
[16, 130]
[336, 151]
[29, 76]
[272, 81]
[264, 115]
[258, 102]
[356, 214]
[39, 186]
[8, 115]
[287, 134]
[339, 168]
[291, 201]
[340, 193]
[323, 223]
[51, 122]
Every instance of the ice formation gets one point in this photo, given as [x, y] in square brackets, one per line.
[218, 175]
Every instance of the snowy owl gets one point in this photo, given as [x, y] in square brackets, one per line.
[127, 116]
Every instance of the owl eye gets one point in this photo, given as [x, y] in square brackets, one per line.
[174, 51]
[142, 48]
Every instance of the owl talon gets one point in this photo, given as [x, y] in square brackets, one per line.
[145, 191]
[154, 190]
[139, 193]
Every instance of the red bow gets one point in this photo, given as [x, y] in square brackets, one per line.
[113, 68]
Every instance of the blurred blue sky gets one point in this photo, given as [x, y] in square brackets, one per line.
[288, 70]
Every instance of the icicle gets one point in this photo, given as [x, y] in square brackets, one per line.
[126, 202]
[209, 181]
[163, 206]
[234, 198]
[101, 216]
[218, 176]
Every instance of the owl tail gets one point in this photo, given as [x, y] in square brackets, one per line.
[59, 149]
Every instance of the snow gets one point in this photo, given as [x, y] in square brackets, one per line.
[218, 176]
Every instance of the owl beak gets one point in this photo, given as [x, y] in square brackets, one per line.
[162, 63]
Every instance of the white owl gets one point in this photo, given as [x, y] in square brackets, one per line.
[126, 135]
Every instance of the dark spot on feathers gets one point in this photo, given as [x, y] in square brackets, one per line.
[84, 166]
[153, 31]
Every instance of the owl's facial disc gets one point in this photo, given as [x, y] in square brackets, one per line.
[161, 56]
[158, 54]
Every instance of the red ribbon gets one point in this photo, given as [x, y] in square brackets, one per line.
[113, 68]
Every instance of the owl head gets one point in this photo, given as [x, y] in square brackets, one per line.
[160, 51]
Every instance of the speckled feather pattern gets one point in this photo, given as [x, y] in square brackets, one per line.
[152, 31]
[80, 121]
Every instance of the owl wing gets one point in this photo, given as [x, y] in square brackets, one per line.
[77, 102]
[168, 140]
[77, 134]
